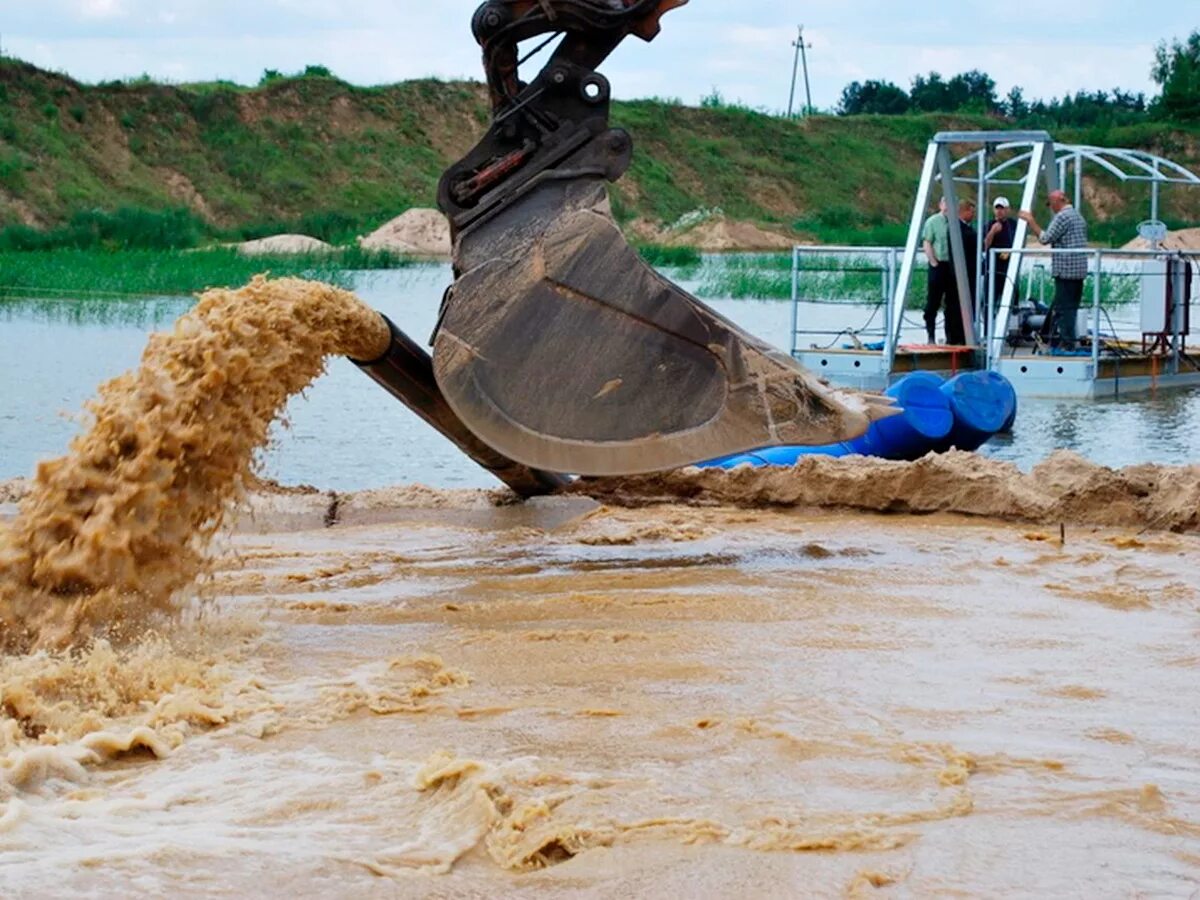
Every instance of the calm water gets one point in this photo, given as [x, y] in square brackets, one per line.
[346, 433]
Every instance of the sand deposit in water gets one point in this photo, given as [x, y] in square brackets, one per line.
[111, 532]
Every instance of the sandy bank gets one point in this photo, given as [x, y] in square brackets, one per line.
[1184, 239]
[1066, 488]
[717, 234]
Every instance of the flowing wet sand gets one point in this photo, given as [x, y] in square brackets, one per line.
[567, 699]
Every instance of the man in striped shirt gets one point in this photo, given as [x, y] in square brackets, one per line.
[1068, 231]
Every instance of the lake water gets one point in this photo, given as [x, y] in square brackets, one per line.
[345, 433]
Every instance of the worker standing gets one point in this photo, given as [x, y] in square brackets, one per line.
[1001, 235]
[1067, 231]
[942, 292]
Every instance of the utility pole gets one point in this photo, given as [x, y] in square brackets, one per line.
[802, 49]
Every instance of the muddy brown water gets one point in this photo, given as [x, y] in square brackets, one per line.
[442, 696]
[575, 700]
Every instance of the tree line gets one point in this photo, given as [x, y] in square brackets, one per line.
[1176, 70]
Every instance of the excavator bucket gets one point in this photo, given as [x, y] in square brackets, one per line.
[557, 345]
[562, 349]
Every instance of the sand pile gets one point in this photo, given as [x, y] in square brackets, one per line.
[1184, 239]
[723, 235]
[110, 532]
[419, 232]
[1064, 488]
[284, 243]
[716, 234]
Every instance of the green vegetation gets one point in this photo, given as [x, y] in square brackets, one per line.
[1177, 72]
[1176, 69]
[125, 227]
[144, 165]
[669, 257]
[832, 278]
[166, 273]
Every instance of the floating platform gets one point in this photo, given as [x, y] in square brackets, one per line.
[1032, 375]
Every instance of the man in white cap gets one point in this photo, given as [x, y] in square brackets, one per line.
[1000, 234]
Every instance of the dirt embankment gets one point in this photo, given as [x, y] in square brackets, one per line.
[712, 235]
[1066, 488]
[1184, 239]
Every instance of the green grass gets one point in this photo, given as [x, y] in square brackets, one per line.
[110, 165]
[768, 276]
[143, 312]
[859, 280]
[669, 257]
[171, 273]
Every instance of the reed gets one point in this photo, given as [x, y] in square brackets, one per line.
[100, 274]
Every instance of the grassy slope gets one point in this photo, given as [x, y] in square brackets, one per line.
[299, 146]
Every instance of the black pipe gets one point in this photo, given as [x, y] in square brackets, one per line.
[406, 372]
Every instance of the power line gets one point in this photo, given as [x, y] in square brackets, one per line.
[802, 48]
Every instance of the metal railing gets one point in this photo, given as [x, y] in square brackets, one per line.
[995, 330]
[888, 268]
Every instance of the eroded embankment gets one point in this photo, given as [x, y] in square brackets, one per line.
[109, 533]
[1066, 488]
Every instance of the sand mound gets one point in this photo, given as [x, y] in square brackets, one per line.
[723, 235]
[420, 232]
[1185, 239]
[1064, 488]
[715, 234]
[284, 243]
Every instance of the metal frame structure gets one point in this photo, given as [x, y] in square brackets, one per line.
[1041, 158]
[939, 167]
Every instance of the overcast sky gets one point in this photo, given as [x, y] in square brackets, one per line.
[743, 48]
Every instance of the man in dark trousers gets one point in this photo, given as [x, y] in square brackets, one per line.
[970, 243]
[1068, 230]
[942, 292]
[1000, 236]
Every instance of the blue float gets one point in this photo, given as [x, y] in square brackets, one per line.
[927, 419]
[982, 403]
[963, 412]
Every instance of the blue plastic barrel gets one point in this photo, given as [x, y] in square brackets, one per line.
[982, 403]
[937, 415]
[925, 422]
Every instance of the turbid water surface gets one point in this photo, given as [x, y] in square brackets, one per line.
[570, 700]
